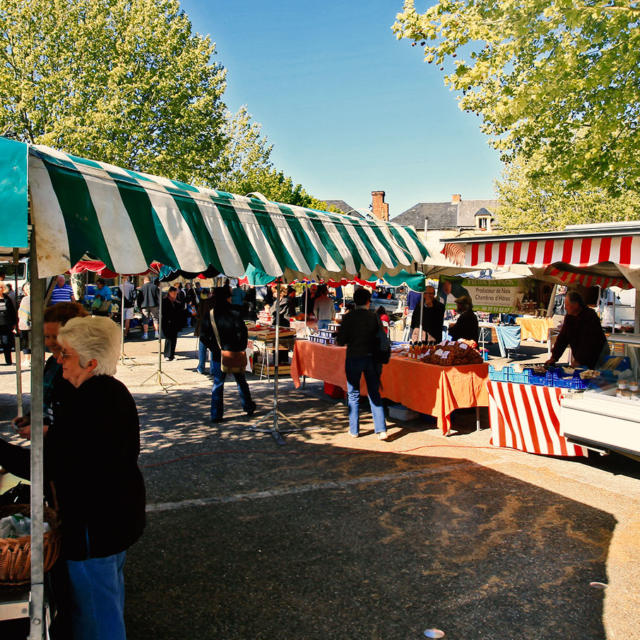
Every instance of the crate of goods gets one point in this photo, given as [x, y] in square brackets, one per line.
[333, 326]
[520, 377]
[500, 375]
[400, 412]
[321, 339]
[325, 333]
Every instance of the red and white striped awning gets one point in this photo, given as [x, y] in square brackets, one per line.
[540, 252]
[587, 279]
[605, 255]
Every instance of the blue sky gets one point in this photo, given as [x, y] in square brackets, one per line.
[348, 108]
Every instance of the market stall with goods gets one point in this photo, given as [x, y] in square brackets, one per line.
[426, 379]
[578, 409]
[65, 209]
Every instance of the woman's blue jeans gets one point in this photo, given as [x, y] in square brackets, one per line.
[323, 324]
[97, 593]
[354, 368]
[202, 358]
[217, 391]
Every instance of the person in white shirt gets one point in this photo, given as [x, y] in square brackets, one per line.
[323, 307]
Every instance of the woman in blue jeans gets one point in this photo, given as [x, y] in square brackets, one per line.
[91, 457]
[231, 336]
[358, 331]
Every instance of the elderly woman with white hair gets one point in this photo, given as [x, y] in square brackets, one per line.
[91, 454]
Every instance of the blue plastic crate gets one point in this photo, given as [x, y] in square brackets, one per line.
[520, 377]
[540, 381]
[501, 375]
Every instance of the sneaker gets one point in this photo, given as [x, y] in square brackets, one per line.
[145, 336]
[204, 373]
[354, 435]
[382, 435]
[217, 419]
[251, 410]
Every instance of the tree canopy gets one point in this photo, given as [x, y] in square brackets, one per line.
[556, 82]
[550, 205]
[128, 82]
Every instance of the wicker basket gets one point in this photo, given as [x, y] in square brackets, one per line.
[15, 553]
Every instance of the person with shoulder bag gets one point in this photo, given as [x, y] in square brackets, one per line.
[229, 354]
[368, 349]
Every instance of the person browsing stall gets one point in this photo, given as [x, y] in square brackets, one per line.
[466, 325]
[432, 317]
[91, 459]
[581, 330]
[358, 331]
[226, 331]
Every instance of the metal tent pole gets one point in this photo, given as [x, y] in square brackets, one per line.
[16, 263]
[36, 612]
[158, 375]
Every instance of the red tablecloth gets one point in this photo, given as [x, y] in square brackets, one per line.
[527, 417]
[426, 388]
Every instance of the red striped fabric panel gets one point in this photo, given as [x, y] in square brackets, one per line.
[625, 250]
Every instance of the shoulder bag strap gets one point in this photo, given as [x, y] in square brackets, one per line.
[215, 328]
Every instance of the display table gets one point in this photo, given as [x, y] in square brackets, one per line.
[527, 417]
[535, 328]
[426, 388]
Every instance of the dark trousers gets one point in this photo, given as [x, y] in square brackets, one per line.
[6, 338]
[170, 340]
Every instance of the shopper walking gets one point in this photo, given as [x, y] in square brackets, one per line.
[358, 331]
[204, 333]
[7, 323]
[230, 335]
[172, 322]
[128, 295]
[24, 324]
[149, 302]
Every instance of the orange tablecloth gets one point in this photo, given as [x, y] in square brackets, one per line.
[535, 328]
[427, 388]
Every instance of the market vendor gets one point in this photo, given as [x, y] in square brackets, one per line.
[467, 324]
[582, 332]
[432, 317]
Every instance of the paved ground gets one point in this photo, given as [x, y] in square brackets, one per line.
[330, 537]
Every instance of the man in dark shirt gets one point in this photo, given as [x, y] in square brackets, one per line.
[358, 331]
[432, 316]
[582, 332]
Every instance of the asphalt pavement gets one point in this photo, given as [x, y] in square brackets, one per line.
[330, 537]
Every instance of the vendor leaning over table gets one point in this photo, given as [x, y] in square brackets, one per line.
[466, 325]
[432, 317]
[582, 332]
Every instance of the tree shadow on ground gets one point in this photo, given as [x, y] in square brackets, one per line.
[325, 542]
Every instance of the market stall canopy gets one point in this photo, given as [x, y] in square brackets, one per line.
[605, 254]
[129, 219]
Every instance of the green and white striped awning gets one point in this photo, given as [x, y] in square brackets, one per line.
[129, 219]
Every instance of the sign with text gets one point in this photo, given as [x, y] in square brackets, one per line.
[493, 296]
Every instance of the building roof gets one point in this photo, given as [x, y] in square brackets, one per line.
[445, 215]
[341, 205]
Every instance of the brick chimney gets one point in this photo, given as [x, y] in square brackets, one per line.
[379, 208]
[455, 198]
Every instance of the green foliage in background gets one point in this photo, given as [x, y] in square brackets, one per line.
[556, 82]
[128, 82]
[551, 205]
